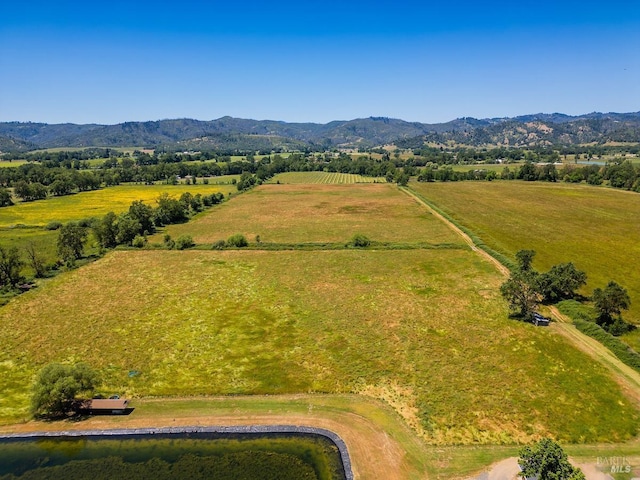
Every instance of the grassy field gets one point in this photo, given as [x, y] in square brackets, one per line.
[595, 228]
[95, 203]
[318, 213]
[323, 178]
[384, 324]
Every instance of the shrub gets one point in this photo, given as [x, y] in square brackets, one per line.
[86, 222]
[139, 241]
[168, 242]
[55, 225]
[184, 241]
[360, 241]
[219, 245]
[238, 240]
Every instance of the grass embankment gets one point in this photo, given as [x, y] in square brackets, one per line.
[384, 324]
[593, 227]
[582, 319]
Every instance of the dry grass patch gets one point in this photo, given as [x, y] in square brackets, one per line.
[387, 323]
[319, 213]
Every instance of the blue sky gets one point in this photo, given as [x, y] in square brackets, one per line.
[109, 62]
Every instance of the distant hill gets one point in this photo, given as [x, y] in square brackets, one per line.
[230, 133]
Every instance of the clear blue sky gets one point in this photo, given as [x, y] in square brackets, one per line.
[109, 62]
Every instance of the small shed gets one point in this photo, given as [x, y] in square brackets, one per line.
[105, 406]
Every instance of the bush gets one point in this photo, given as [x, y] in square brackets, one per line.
[139, 241]
[219, 245]
[184, 241]
[168, 242]
[55, 225]
[360, 241]
[238, 240]
[86, 222]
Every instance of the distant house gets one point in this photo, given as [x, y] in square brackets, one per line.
[105, 406]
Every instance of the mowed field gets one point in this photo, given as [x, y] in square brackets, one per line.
[319, 213]
[424, 330]
[596, 228]
[96, 203]
[323, 178]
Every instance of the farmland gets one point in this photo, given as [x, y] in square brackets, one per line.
[319, 213]
[95, 203]
[403, 326]
[383, 324]
[323, 178]
[595, 228]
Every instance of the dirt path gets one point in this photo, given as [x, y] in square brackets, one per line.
[627, 377]
[500, 267]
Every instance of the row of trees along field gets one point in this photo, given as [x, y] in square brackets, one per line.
[526, 289]
[129, 228]
[34, 181]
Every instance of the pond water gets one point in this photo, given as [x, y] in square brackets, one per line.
[197, 455]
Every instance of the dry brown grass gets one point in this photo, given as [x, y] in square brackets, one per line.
[319, 213]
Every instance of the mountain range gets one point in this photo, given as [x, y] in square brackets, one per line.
[228, 133]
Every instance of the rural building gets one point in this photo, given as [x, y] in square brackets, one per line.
[105, 406]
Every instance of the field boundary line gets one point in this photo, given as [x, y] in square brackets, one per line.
[468, 240]
[626, 377]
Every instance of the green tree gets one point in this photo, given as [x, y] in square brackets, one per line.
[546, 460]
[561, 282]
[57, 387]
[105, 230]
[610, 302]
[70, 245]
[35, 260]
[10, 267]
[5, 197]
[521, 292]
[170, 210]
[128, 228]
[525, 259]
[143, 213]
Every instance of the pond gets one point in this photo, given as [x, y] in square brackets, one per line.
[190, 453]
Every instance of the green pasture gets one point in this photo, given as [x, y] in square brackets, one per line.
[323, 178]
[318, 213]
[384, 324]
[596, 228]
[96, 203]
[12, 163]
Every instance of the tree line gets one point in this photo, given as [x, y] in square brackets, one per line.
[36, 181]
[128, 228]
